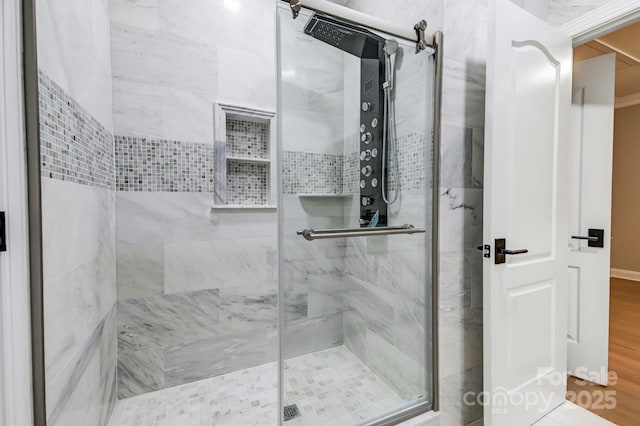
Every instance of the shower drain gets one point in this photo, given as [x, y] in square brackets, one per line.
[291, 412]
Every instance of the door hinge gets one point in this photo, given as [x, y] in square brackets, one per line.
[3, 233]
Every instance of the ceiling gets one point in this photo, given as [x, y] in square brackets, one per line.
[626, 45]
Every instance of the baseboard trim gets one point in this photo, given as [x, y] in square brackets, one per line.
[625, 275]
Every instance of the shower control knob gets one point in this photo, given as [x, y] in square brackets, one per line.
[366, 137]
[367, 170]
[366, 201]
[365, 155]
[374, 182]
[367, 106]
[374, 152]
[363, 184]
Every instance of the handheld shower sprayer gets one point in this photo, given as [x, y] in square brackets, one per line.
[388, 136]
[390, 48]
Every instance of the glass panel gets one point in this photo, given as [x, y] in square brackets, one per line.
[355, 312]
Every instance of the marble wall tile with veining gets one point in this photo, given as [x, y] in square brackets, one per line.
[399, 371]
[454, 411]
[159, 59]
[140, 372]
[78, 223]
[463, 93]
[246, 78]
[140, 270]
[412, 86]
[405, 12]
[166, 320]
[465, 29]
[249, 26]
[241, 349]
[246, 307]
[85, 390]
[79, 287]
[74, 305]
[456, 157]
[355, 332]
[74, 50]
[139, 13]
[460, 218]
[161, 112]
[294, 303]
[311, 334]
[171, 217]
[477, 159]
[200, 265]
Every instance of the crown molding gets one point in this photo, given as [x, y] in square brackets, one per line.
[603, 20]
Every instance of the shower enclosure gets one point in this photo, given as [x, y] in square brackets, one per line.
[239, 214]
[356, 212]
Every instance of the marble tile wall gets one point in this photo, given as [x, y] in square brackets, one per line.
[74, 50]
[197, 289]
[78, 211]
[312, 280]
[172, 60]
[79, 288]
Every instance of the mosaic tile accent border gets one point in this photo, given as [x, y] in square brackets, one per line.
[351, 173]
[247, 139]
[311, 173]
[246, 183]
[412, 162]
[74, 146]
[163, 166]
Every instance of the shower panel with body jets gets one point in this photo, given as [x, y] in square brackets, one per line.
[377, 63]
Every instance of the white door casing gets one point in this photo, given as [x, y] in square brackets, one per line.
[15, 322]
[591, 157]
[525, 201]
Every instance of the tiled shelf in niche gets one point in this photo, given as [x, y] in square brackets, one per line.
[245, 157]
[325, 195]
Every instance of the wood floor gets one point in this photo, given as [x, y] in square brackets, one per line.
[624, 356]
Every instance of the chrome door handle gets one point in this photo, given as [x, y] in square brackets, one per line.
[595, 238]
[502, 252]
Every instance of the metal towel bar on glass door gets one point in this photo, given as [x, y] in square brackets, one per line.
[323, 234]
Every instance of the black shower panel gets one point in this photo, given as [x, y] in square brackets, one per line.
[369, 47]
[373, 209]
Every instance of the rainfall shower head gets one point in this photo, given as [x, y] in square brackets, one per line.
[347, 37]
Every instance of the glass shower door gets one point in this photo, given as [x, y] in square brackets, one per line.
[355, 216]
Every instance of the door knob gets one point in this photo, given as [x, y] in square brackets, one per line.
[502, 251]
[595, 238]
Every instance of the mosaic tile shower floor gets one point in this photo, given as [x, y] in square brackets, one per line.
[330, 387]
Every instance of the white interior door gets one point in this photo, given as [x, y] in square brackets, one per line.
[591, 155]
[526, 203]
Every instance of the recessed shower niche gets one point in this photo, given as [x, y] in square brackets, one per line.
[244, 157]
